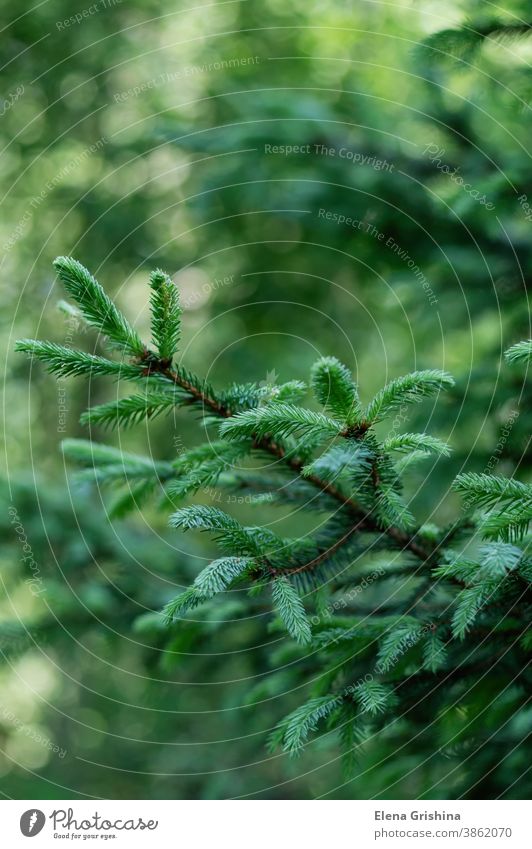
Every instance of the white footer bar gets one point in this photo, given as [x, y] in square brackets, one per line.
[267, 824]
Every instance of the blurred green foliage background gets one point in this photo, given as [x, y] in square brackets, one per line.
[140, 135]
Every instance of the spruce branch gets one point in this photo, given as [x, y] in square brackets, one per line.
[185, 601]
[497, 559]
[220, 573]
[133, 495]
[512, 498]
[342, 458]
[290, 609]
[97, 308]
[335, 389]
[291, 391]
[107, 464]
[279, 421]
[510, 524]
[231, 535]
[165, 315]
[463, 43]
[85, 452]
[65, 362]
[129, 411]
[253, 423]
[144, 469]
[326, 554]
[198, 391]
[265, 428]
[407, 442]
[397, 642]
[434, 652]
[484, 490]
[202, 466]
[470, 602]
[520, 353]
[373, 697]
[409, 389]
[293, 732]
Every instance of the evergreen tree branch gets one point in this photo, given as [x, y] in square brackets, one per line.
[407, 390]
[96, 306]
[335, 389]
[131, 410]
[520, 353]
[267, 427]
[65, 362]
[166, 315]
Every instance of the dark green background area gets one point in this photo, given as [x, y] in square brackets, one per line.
[182, 120]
